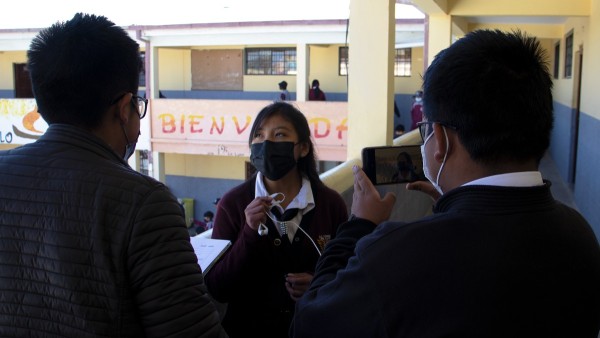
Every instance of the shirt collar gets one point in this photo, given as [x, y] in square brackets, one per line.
[304, 201]
[518, 179]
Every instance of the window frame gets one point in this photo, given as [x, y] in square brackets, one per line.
[142, 76]
[569, 43]
[267, 61]
[401, 62]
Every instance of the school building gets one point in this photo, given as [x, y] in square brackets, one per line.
[207, 81]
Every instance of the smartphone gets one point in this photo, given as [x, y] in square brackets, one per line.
[393, 164]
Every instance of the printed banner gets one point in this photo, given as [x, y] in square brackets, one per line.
[222, 127]
[20, 123]
[206, 127]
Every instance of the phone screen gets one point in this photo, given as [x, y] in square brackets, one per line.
[393, 164]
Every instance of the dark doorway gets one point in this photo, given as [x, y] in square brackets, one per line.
[22, 82]
[577, 71]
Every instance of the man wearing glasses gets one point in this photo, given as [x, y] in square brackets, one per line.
[499, 257]
[88, 246]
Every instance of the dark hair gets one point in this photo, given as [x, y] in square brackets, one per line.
[79, 67]
[495, 88]
[209, 214]
[307, 165]
[317, 90]
[399, 127]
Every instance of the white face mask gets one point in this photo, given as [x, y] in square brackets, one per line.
[426, 168]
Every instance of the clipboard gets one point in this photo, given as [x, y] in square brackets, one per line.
[208, 251]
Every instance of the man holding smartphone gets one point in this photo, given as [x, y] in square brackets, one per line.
[499, 257]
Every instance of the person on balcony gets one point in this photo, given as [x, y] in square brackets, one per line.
[315, 93]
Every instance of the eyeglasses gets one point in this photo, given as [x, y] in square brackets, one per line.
[138, 101]
[426, 128]
[142, 105]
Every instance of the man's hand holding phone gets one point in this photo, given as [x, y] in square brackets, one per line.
[425, 187]
[366, 201]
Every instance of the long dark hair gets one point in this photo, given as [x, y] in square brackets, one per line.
[307, 165]
[316, 88]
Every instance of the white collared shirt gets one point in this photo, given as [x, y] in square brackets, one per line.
[304, 201]
[518, 179]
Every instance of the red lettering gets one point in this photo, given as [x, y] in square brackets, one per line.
[317, 121]
[194, 122]
[342, 128]
[237, 125]
[168, 123]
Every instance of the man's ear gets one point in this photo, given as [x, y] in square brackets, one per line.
[441, 140]
[124, 108]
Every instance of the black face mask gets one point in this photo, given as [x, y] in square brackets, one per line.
[273, 159]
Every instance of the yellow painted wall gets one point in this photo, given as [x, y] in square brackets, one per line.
[8, 146]
[7, 78]
[324, 66]
[223, 167]
[268, 83]
[541, 31]
[174, 69]
[590, 100]
[563, 87]
[408, 85]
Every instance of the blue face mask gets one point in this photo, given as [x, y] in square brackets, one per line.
[129, 147]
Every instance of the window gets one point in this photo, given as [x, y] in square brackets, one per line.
[270, 61]
[143, 71]
[402, 62]
[556, 60]
[569, 55]
[343, 61]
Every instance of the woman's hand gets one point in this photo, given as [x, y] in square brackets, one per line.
[297, 284]
[256, 211]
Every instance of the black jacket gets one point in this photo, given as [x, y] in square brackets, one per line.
[490, 262]
[91, 248]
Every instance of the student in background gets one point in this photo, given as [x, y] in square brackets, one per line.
[416, 111]
[90, 247]
[283, 95]
[499, 256]
[399, 130]
[315, 93]
[278, 222]
[208, 219]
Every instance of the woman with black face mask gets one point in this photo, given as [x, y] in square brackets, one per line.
[278, 222]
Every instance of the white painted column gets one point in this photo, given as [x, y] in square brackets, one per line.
[302, 66]
[158, 166]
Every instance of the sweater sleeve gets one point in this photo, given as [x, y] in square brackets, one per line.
[341, 282]
[164, 274]
[225, 279]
